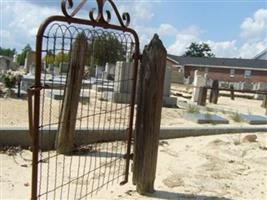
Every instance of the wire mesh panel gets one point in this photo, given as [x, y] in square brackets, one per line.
[84, 96]
[103, 111]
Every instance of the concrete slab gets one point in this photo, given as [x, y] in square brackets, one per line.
[103, 88]
[254, 119]
[202, 118]
[21, 137]
[125, 98]
[59, 95]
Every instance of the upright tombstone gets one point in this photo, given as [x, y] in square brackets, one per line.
[260, 87]
[123, 85]
[99, 72]
[109, 72]
[63, 68]
[199, 82]
[123, 74]
[29, 64]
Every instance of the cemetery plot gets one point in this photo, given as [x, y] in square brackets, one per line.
[205, 118]
[254, 119]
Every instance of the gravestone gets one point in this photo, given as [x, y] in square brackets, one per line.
[199, 81]
[260, 87]
[254, 119]
[63, 68]
[99, 71]
[27, 81]
[246, 86]
[123, 86]
[30, 61]
[109, 72]
[59, 95]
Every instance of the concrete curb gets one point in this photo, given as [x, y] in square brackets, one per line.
[20, 136]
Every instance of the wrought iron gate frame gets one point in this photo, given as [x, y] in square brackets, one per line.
[34, 91]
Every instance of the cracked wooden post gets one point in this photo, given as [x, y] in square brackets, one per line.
[232, 92]
[67, 121]
[264, 103]
[148, 117]
[202, 96]
[214, 94]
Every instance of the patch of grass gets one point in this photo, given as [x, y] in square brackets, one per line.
[209, 109]
[193, 109]
[208, 116]
[236, 117]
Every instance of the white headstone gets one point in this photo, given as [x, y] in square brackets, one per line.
[199, 81]
[29, 61]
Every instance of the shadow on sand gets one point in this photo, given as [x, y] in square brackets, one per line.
[180, 196]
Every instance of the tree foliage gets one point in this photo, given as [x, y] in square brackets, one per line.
[61, 58]
[49, 58]
[7, 52]
[105, 49]
[199, 50]
[101, 50]
[21, 57]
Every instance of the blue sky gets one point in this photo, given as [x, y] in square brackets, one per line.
[231, 28]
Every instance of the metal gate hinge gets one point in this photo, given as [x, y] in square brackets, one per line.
[130, 157]
[35, 88]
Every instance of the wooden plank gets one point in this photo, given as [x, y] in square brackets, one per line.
[67, 121]
[150, 99]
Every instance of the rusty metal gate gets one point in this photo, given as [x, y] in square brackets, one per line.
[104, 115]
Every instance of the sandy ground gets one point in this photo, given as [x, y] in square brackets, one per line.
[14, 112]
[208, 167]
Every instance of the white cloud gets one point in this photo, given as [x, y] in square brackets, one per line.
[255, 27]
[21, 20]
[224, 48]
[167, 30]
[253, 32]
[251, 49]
[183, 40]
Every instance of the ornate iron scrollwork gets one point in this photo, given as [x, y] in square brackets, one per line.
[123, 19]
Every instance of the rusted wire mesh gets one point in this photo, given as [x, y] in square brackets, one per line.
[102, 118]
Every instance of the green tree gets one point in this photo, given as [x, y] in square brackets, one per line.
[49, 58]
[7, 52]
[199, 50]
[105, 49]
[61, 58]
[21, 57]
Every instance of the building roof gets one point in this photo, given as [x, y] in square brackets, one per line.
[219, 62]
[262, 55]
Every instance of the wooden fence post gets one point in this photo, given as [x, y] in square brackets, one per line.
[67, 121]
[214, 94]
[150, 98]
[202, 96]
[232, 92]
[264, 103]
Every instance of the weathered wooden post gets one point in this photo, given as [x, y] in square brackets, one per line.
[264, 103]
[202, 96]
[67, 121]
[232, 92]
[19, 77]
[214, 92]
[150, 98]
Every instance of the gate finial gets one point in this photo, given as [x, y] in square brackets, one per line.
[124, 19]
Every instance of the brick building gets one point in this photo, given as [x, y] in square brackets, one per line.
[222, 69]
